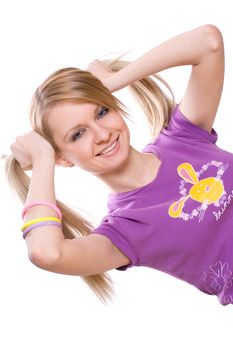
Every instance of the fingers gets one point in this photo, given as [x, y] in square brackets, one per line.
[20, 155]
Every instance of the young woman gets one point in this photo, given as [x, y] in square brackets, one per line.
[169, 205]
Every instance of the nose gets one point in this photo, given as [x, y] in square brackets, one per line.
[101, 134]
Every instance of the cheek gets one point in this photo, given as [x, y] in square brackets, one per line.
[82, 152]
[118, 123]
[75, 154]
[124, 127]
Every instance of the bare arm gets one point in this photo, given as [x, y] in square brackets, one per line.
[187, 48]
[47, 247]
[202, 48]
[45, 241]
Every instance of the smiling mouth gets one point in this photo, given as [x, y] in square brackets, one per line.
[116, 141]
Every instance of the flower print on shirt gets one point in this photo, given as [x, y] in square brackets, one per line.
[228, 299]
[207, 191]
[219, 276]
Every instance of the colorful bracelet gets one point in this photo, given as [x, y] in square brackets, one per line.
[32, 204]
[43, 219]
[39, 224]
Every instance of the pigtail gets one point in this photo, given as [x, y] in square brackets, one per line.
[74, 225]
[155, 103]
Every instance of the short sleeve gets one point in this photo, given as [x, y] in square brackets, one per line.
[111, 228]
[180, 126]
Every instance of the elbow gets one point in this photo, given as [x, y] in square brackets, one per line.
[214, 36]
[44, 260]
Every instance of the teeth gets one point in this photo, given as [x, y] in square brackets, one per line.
[109, 148]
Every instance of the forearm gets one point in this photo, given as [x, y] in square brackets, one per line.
[44, 241]
[187, 48]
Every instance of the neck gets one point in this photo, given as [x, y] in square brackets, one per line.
[127, 176]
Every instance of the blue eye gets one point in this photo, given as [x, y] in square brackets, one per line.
[77, 134]
[105, 110]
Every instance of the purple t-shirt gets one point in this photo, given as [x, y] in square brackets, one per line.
[181, 223]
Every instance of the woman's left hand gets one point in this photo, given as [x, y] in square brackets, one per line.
[31, 147]
[102, 71]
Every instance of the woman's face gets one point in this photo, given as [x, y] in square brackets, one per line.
[82, 130]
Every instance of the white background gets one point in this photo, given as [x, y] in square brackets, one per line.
[40, 309]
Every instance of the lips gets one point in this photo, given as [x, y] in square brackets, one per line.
[108, 146]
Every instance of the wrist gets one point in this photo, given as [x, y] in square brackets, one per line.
[111, 83]
[44, 161]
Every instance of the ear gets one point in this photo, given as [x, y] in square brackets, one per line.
[61, 161]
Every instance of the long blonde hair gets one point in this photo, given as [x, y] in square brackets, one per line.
[78, 85]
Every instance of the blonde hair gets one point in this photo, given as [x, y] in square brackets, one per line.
[74, 84]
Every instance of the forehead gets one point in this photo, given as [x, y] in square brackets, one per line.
[69, 110]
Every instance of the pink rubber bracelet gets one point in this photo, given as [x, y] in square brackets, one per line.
[39, 224]
[32, 204]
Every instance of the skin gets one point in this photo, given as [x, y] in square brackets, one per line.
[99, 129]
[94, 253]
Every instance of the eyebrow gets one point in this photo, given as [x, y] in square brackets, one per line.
[78, 125]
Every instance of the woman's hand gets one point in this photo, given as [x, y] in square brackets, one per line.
[31, 147]
[102, 71]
